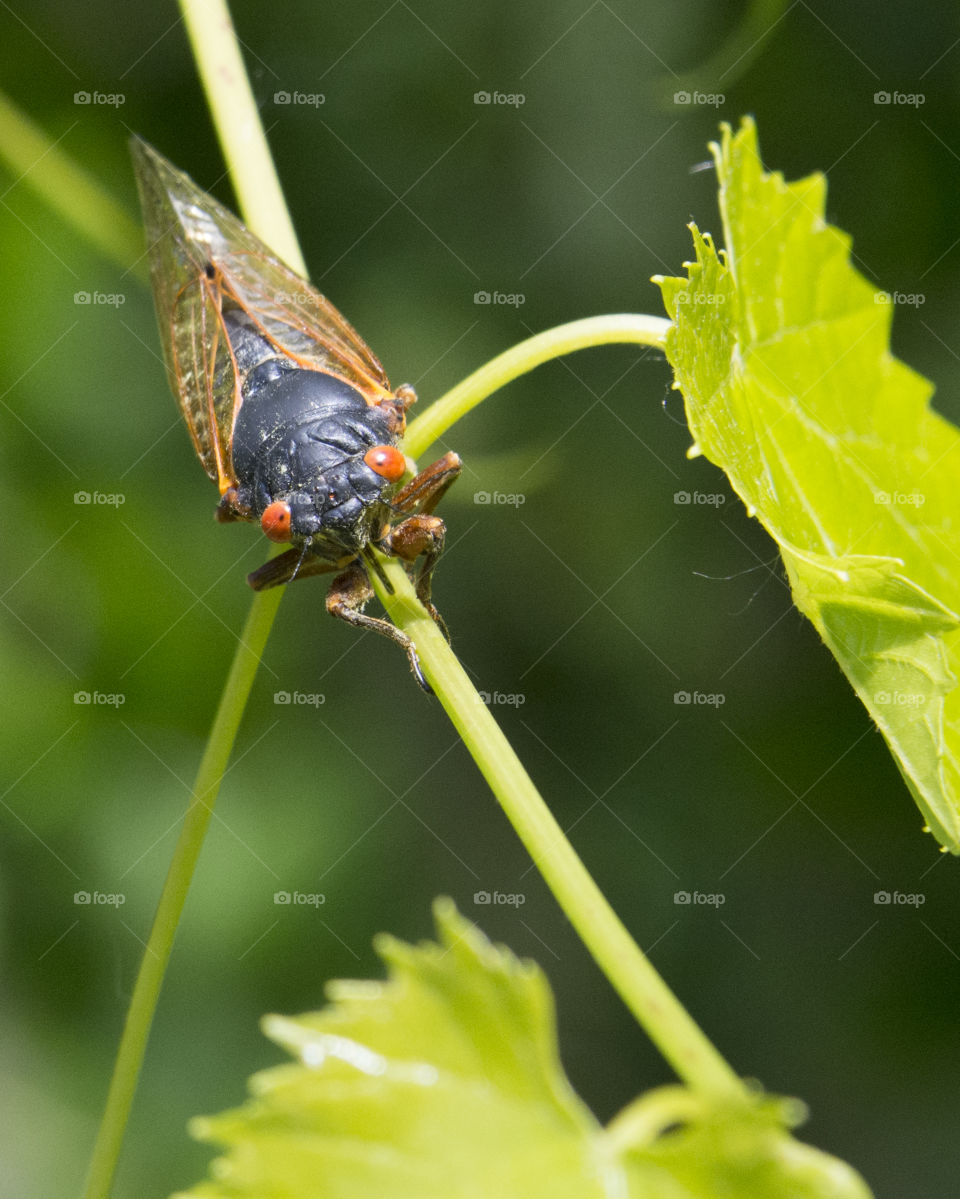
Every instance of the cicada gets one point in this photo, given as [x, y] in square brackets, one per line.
[290, 411]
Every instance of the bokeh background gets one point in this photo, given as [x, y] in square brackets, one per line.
[585, 607]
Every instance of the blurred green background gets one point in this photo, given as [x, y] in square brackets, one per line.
[594, 601]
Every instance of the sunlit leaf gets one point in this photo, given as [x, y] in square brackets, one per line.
[782, 351]
[444, 1082]
[729, 1155]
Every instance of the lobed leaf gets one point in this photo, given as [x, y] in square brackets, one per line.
[782, 351]
[444, 1081]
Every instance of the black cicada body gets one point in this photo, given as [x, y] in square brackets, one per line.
[289, 410]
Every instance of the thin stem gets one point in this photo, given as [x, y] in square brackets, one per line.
[214, 43]
[554, 343]
[648, 997]
[146, 992]
[658, 1010]
[237, 119]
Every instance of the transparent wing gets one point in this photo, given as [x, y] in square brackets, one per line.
[203, 261]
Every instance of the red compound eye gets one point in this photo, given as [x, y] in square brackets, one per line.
[387, 461]
[275, 521]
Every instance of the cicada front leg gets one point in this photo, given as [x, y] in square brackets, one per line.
[290, 565]
[422, 534]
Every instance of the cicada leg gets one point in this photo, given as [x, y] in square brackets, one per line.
[290, 565]
[425, 490]
[348, 594]
[413, 537]
[423, 534]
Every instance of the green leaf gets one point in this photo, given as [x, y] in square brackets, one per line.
[722, 1156]
[445, 1081]
[782, 351]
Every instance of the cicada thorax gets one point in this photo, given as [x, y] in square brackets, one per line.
[313, 460]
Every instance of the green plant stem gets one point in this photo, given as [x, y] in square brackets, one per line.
[146, 992]
[645, 993]
[236, 116]
[241, 134]
[622, 327]
[642, 989]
